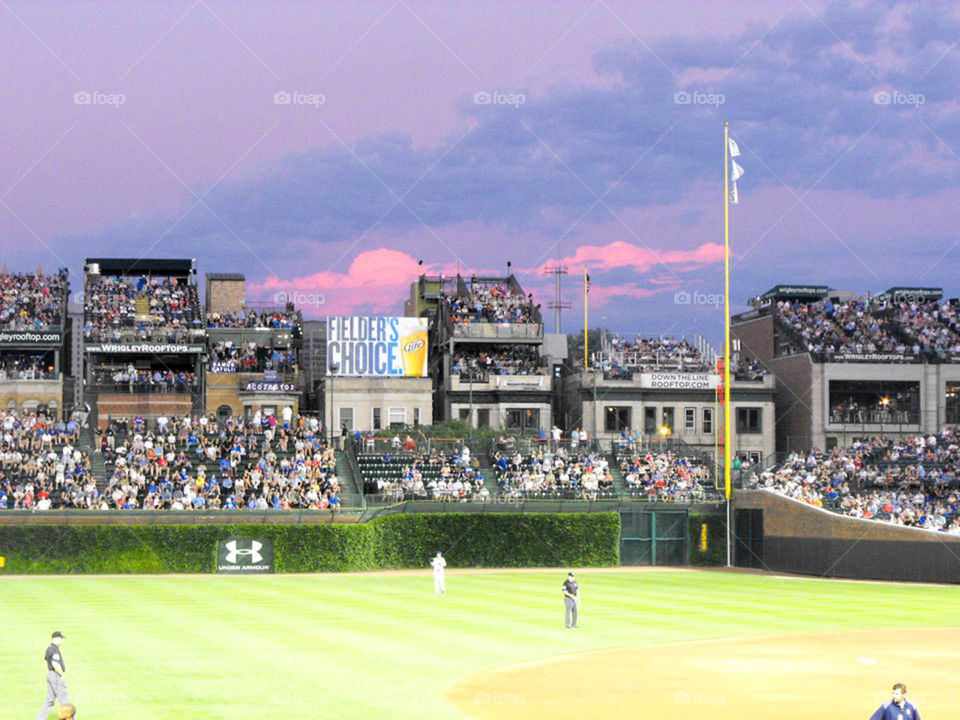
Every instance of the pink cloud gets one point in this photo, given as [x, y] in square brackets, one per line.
[620, 254]
[377, 278]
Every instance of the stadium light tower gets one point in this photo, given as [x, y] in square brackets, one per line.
[557, 304]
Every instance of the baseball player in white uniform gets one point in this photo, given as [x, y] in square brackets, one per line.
[439, 563]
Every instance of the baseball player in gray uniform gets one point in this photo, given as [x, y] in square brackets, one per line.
[56, 676]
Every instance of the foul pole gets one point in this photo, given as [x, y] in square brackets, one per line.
[728, 395]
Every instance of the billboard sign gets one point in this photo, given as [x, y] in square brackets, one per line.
[377, 346]
[679, 381]
[240, 556]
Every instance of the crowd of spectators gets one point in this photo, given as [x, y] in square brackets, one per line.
[492, 303]
[749, 368]
[912, 482]
[21, 366]
[625, 357]
[855, 326]
[504, 360]
[552, 471]
[32, 301]
[202, 464]
[248, 318]
[227, 356]
[131, 379]
[880, 324]
[42, 466]
[666, 477]
[110, 307]
[428, 474]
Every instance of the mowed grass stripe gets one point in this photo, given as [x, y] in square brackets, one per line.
[383, 645]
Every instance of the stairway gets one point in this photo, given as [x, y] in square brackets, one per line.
[489, 476]
[98, 469]
[349, 485]
[619, 484]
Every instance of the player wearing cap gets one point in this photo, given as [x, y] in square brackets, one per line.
[56, 676]
[571, 600]
[439, 563]
[898, 708]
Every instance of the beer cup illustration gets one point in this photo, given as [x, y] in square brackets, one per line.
[413, 353]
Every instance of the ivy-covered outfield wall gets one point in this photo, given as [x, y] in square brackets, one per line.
[708, 543]
[398, 541]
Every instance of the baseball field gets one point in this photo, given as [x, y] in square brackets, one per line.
[652, 643]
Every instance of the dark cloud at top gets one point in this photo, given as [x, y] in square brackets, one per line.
[799, 96]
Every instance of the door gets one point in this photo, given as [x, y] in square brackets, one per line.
[748, 538]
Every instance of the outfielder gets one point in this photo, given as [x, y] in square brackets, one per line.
[438, 563]
[56, 676]
[571, 600]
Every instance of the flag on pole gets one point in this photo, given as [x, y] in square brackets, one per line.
[736, 172]
[586, 283]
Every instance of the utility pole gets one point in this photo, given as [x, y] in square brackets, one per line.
[557, 304]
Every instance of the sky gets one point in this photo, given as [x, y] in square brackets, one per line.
[325, 149]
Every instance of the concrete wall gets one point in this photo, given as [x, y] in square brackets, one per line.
[30, 393]
[800, 538]
[225, 295]
[364, 394]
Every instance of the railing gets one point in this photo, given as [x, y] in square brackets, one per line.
[875, 417]
[144, 388]
[129, 335]
[12, 375]
[498, 331]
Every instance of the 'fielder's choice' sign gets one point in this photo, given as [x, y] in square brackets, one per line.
[377, 346]
[245, 555]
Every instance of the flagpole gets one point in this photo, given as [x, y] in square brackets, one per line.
[586, 328]
[728, 394]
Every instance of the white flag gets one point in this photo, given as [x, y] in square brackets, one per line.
[734, 149]
[736, 172]
[734, 198]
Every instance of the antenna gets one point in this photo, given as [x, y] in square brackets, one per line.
[557, 304]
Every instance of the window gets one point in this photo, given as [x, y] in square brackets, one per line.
[224, 412]
[707, 423]
[416, 417]
[755, 457]
[465, 415]
[397, 416]
[748, 420]
[483, 417]
[616, 419]
[377, 424]
[346, 417]
[690, 420]
[522, 419]
[668, 417]
[650, 420]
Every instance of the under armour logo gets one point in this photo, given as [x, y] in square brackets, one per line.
[233, 552]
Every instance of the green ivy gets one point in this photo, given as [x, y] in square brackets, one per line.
[398, 541]
[716, 552]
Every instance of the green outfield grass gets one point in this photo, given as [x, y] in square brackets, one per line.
[356, 646]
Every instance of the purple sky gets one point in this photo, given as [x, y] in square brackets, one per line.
[600, 166]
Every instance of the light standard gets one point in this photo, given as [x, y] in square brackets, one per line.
[664, 432]
[334, 366]
[885, 406]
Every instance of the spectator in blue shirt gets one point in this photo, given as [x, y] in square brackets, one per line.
[898, 708]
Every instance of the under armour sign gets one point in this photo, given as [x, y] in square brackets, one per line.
[245, 555]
